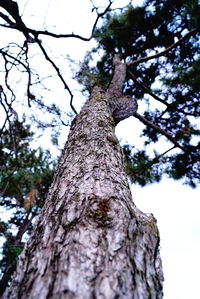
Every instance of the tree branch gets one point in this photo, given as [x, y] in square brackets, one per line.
[12, 8]
[51, 34]
[6, 107]
[57, 71]
[164, 102]
[146, 58]
[119, 75]
[145, 88]
[158, 129]
[24, 64]
[99, 15]
[6, 18]
[19, 25]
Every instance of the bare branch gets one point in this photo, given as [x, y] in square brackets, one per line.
[12, 8]
[57, 71]
[51, 34]
[24, 64]
[99, 15]
[165, 152]
[157, 158]
[13, 58]
[6, 64]
[146, 58]
[6, 106]
[6, 18]
[19, 25]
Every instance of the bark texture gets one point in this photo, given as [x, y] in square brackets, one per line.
[121, 106]
[90, 240]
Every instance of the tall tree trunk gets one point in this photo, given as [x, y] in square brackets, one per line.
[90, 240]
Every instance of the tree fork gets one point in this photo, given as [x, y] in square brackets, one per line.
[90, 240]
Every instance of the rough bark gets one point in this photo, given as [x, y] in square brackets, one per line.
[90, 240]
[121, 106]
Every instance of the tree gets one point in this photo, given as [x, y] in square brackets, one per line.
[100, 243]
[25, 172]
[159, 43]
[90, 230]
[24, 181]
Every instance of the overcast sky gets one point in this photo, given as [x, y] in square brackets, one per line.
[176, 206]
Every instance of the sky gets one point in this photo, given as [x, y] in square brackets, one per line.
[175, 206]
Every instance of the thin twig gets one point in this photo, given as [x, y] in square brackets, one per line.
[26, 67]
[57, 71]
[36, 33]
[157, 158]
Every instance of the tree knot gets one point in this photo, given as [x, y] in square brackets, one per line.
[123, 108]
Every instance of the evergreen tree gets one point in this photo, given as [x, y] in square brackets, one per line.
[25, 178]
[90, 239]
[160, 44]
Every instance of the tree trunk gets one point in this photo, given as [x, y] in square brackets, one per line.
[90, 240]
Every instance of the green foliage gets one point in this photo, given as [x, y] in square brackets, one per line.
[187, 166]
[22, 168]
[10, 254]
[140, 168]
[138, 32]
[25, 178]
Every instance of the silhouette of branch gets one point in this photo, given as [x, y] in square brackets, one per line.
[164, 102]
[19, 25]
[146, 58]
[158, 129]
[12, 8]
[13, 60]
[145, 88]
[32, 36]
[57, 71]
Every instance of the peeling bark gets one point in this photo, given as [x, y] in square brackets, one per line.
[90, 240]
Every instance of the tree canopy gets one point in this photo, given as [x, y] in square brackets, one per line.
[159, 43]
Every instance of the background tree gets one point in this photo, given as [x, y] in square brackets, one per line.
[25, 178]
[132, 35]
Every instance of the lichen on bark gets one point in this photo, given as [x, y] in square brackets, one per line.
[90, 240]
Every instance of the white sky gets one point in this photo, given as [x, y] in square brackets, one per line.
[176, 207]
